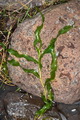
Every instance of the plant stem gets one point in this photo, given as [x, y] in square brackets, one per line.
[40, 72]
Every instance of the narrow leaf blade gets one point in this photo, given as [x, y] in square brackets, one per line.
[50, 47]
[32, 71]
[46, 107]
[64, 30]
[18, 55]
[37, 34]
[13, 62]
[16, 63]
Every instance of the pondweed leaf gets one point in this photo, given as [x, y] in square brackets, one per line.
[53, 64]
[64, 30]
[38, 39]
[37, 35]
[51, 50]
[43, 98]
[46, 107]
[34, 72]
[50, 47]
[14, 62]
[18, 55]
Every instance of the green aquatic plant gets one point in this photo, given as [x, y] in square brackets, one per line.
[47, 95]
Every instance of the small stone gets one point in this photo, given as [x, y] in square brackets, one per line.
[73, 110]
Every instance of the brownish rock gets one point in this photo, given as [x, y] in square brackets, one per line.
[67, 82]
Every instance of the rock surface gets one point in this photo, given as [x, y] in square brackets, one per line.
[72, 110]
[17, 4]
[67, 82]
[23, 107]
[10, 102]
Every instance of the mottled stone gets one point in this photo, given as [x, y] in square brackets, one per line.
[70, 110]
[18, 4]
[67, 82]
[23, 107]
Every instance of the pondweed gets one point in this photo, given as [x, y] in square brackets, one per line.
[47, 95]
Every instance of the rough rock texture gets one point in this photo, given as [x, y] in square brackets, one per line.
[67, 82]
[23, 107]
[13, 105]
[71, 111]
[17, 4]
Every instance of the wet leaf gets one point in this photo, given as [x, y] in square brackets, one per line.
[18, 55]
[34, 72]
[13, 62]
[46, 107]
[16, 63]
[50, 95]
[53, 64]
[64, 30]
[43, 98]
[50, 47]
[37, 35]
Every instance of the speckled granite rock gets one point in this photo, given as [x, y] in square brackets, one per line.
[17, 4]
[67, 82]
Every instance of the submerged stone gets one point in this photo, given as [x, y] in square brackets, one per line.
[66, 85]
[24, 107]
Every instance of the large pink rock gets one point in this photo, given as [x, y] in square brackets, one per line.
[66, 85]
